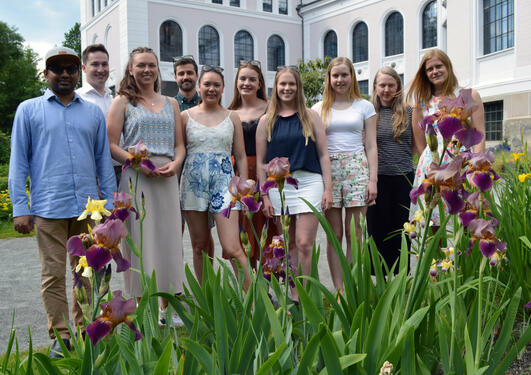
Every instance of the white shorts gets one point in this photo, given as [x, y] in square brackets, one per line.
[311, 188]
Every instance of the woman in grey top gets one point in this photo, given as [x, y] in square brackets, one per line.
[395, 167]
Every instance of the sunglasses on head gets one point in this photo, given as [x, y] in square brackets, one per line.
[183, 57]
[251, 62]
[211, 68]
[59, 69]
[281, 67]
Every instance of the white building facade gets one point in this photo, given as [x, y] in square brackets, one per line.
[487, 41]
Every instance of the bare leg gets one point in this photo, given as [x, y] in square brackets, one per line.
[353, 212]
[334, 217]
[229, 237]
[198, 227]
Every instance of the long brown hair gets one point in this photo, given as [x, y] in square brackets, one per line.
[128, 86]
[421, 89]
[329, 95]
[260, 93]
[302, 111]
[400, 117]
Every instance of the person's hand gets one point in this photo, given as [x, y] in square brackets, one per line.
[168, 170]
[146, 172]
[267, 207]
[23, 224]
[372, 192]
[326, 201]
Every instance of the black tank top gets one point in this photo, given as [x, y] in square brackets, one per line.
[288, 141]
[249, 136]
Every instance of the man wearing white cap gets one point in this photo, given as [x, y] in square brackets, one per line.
[60, 141]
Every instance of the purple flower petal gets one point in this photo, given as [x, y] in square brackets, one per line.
[120, 214]
[487, 247]
[148, 164]
[528, 305]
[138, 334]
[293, 181]
[98, 330]
[127, 164]
[268, 185]
[469, 136]
[98, 257]
[448, 126]
[122, 264]
[467, 217]
[482, 180]
[226, 212]
[279, 252]
[251, 205]
[74, 245]
[453, 200]
[415, 193]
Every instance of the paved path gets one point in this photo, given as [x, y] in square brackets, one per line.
[20, 287]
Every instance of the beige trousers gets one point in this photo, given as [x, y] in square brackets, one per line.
[52, 235]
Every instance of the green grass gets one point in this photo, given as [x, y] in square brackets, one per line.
[7, 231]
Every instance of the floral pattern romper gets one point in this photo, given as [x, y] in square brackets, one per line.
[208, 168]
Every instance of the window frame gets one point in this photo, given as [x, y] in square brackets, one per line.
[178, 49]
[328, 34]
[203, 56]
[354, 46]
[497, 133]
[387, 43]
[426, 26]
[282, 54]
[502, 40]
[251, 39]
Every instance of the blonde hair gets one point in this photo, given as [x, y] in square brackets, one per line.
[421, 89]
[400, 117]
[302, 111]
[329, 95]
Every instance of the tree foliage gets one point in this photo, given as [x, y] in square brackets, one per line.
[19, 76]
[73, 40]
[313, 73]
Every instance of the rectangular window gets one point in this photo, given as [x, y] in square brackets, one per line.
[93, 8]
[283, 6]
[267, 6]
[493, 120]
[234, 3]
[217, 1]
[498, 25]
[364, 86]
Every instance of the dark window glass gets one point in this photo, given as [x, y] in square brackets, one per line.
[171, 41]
[498, 25]
[169, 88]
[493, 120]
[330, 44]
[402, 79]
[234, 3]
[217, 1]
[283, 6]
[93, 8]
[209, 46]
[364, 86]
[243, 47]
[429, 25]
[98, 6]
[267, 5]
[394, 34]
[275, 52]
[360, 43]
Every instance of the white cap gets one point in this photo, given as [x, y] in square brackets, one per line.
[61, 52]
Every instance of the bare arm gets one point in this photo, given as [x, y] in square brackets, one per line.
[372, 158]
[324, 158]
[115, 125]
[238, 146]
[419, 139]
[478, 120]
[261, 149]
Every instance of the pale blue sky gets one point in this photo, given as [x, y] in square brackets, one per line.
[42, 23]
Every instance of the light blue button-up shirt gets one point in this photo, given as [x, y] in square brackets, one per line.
[65, 151]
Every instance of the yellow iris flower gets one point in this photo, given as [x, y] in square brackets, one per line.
[96, 208]
[524, 176]
[409, 228]
[82, 263]
[517, 156]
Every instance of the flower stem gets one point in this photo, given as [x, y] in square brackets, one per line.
[480, 297]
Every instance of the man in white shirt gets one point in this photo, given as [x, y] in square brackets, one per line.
[95, 60]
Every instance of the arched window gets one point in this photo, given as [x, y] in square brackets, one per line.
[243, 47]
[360, 43]
[394, 34]
[275, 52]
[429, 25]
[171, 41]
[330, 44]
[209, 46]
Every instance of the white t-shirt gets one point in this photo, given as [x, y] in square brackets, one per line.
[344, 132]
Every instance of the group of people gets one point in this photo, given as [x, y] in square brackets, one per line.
[345, 152]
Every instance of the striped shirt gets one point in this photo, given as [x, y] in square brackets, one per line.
[393, 158]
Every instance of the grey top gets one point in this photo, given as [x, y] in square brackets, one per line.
[394, 158]
[155, 129]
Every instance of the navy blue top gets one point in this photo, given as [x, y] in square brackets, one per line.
[288, 141]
